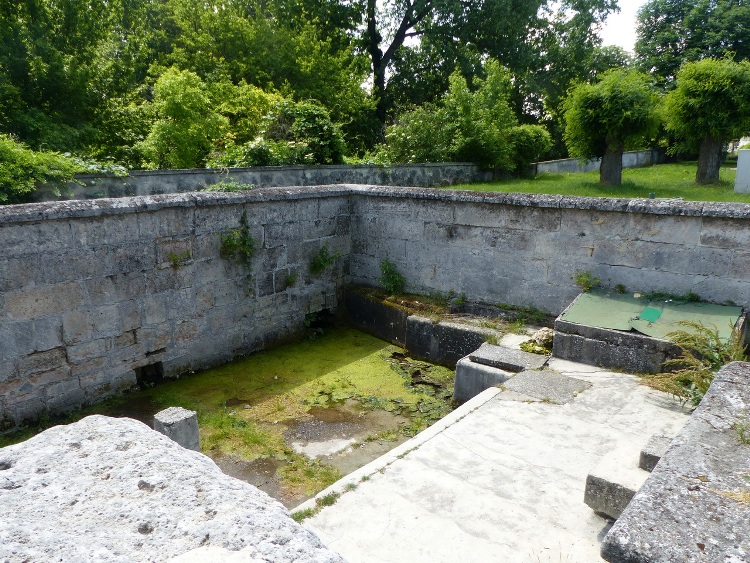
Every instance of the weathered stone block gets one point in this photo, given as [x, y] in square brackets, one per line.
[441, 343]
[42, 361]
[507, 358]
[547, 386]
[77, 326]
[179, 425]
[40, 302]
[653, 451]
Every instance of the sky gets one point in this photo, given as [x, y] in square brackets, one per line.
[619, 29]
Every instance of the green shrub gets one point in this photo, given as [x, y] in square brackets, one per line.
[22, 170]
[465, 125]
[390, 279]
[529, 143]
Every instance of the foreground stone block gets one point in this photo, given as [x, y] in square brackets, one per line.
[180, 425]
[611, 485]
[473, 378]
[695, 505]
[112, 489]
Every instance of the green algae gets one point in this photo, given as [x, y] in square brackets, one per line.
[246, 406]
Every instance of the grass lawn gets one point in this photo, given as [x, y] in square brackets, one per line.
[664, 180]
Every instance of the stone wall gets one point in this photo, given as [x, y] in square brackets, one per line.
[523, 249]
[152, 182]
[95, 294]
[630, 159]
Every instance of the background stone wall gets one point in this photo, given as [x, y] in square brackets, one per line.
[94, 292]
[152, 182]
[523, 249]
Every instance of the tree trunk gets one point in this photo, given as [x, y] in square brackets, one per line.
[610, 170]
[709, 160]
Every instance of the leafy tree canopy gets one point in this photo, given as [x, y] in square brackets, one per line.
[709, 106]
[605, 118]
[671, 32]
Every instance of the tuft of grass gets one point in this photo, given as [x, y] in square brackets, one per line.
[703, 352]
[663, 180]
[742, 428]
[323, 259]
[585, 280]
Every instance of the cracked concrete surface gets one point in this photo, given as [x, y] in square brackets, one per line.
[496, 480]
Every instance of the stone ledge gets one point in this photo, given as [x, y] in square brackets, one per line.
[108, 206]
[695, 506]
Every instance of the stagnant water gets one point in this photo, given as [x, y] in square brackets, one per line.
[294, 419]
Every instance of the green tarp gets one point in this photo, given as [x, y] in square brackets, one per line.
[652, 317]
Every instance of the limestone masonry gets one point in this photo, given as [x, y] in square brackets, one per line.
[97, 295]
[111, 489]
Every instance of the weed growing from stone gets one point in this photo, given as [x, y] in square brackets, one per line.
[585, 280]
[238, 245]
[391, 280]
[177, 260]
[323, 259]
[230, 186]
[742, 429]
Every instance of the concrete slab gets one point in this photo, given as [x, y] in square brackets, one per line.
[507, 358]
[473, 378]
[497, 480]
[653, 451]
[547, 385]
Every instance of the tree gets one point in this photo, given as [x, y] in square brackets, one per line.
[186, 126]
[604, 118]
[464, 125]
[529, 143]
[709, 106]
[671, 32]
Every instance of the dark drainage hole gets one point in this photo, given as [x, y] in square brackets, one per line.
[4, 465]
[150, 375]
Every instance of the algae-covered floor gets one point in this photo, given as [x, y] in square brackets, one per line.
[294, 419]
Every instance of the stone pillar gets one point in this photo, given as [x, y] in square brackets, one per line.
[181, 425]
[742, 181]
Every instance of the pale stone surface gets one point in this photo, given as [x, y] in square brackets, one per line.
[614, 480]
[694, 505]
[547, 385]
[106, 489]
[496, 480]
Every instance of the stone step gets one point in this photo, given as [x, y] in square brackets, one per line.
[611, 485]
[507, 358]
[547, 386]
[472, 378]
[653, 451]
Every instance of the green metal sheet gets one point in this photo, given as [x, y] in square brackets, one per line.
[656, 318]
[604, 309]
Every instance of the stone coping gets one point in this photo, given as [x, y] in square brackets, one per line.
[111, 206]
[695, 506]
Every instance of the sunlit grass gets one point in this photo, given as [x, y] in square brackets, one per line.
[663, 180]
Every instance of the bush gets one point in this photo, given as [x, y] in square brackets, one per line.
[464, 125]
[308, 123]
[390, 279]
[22, 169]
[529, 143]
